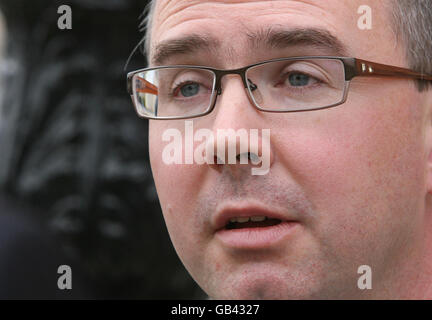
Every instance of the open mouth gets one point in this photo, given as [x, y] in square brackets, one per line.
[251, 222]
[256, 232]
[252, 228]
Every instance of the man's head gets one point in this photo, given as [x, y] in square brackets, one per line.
[348, 186]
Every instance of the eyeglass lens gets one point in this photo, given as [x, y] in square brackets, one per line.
[285, 85]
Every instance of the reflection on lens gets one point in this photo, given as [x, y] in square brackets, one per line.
[173, 92]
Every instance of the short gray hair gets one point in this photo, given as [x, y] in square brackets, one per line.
[146, 26]
[411, 20]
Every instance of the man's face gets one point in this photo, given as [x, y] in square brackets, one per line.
[350, 180]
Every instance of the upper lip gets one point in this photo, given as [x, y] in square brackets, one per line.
[223, 216]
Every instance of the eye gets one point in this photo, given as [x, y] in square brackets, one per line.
[299, 79]
[188, 89]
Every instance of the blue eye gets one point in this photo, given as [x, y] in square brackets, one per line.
[190, 89]
[298, 79]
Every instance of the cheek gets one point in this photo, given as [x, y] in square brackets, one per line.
[175, 183]
[177, 187]
[361, 166]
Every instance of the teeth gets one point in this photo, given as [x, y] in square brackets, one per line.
[246, 219]
[258, 218]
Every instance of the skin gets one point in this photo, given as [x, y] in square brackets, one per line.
[357, 176]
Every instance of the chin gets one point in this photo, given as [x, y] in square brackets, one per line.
[268, 287]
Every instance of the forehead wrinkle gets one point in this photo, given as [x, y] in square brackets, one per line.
[278, 36]
[169, 10]
[271, 37]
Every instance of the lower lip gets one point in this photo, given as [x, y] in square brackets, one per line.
[256, 238]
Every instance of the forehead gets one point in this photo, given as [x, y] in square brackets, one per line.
[230, 22]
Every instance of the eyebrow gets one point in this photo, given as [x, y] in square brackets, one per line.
[274, 38]
[185, 45]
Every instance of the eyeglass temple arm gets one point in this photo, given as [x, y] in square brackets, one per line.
[366, 68]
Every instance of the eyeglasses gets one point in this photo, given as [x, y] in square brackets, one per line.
[280, 85]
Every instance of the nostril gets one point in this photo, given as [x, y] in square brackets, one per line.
[244, 157]
[248, 156]
[218, 160]
[254, 158]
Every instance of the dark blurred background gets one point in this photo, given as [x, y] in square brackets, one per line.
[75, 181]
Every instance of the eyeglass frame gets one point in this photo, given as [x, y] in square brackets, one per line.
[353, 67]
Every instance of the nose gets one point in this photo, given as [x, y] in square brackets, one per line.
[241, 142]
